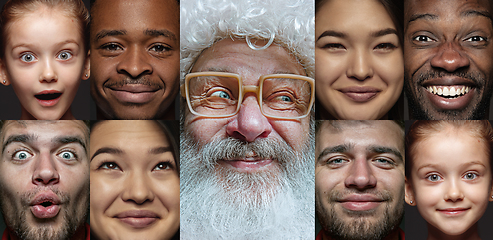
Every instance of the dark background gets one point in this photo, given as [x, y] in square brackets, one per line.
[10, 108]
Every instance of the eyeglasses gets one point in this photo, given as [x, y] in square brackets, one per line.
[219, 94]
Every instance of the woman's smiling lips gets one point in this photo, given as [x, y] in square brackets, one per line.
[360, 94]
[138, 218]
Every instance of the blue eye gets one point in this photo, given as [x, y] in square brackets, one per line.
[221, 94]
[285, 99]
[434, 178]
[64, 55]
[67, 155]
[470, 176]
[28, 57]
[21, 155]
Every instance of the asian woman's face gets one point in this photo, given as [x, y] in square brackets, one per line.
[44, 61]
[358, 59]
[135, 186]
[451, 180]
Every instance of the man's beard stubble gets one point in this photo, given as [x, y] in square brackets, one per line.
[221, 203]
[359, 227]
[421, 112]
[16, 216]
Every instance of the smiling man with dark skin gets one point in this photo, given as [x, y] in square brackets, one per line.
[135, 58]
[448, 53]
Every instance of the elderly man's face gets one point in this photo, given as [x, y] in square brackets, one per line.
[449, 58]
[249, 124]
[359, 179]
[135, 58]
[44, 178]
[253, 167]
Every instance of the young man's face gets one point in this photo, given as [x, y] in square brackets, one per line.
[448, 58]
[135, 53]
[359, 179]
[44, 178]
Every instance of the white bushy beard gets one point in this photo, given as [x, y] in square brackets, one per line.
[221, 203]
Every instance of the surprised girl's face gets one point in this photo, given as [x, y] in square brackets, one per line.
[44, 61]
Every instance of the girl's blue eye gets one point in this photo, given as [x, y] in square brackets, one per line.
[434, 178]
[64, 55]
[28, 57]
[470, 176]
[22, 155]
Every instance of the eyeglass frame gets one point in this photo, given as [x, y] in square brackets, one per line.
[246, 89]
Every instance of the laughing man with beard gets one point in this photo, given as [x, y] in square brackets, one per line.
[247, 142]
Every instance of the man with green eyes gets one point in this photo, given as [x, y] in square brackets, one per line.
[359, 179]
[44, 179]
[448, 58]
[135, 58]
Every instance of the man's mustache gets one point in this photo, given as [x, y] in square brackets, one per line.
[28, 196]
[232, 148]
[141, 81]
[338, 196]
[476, 77]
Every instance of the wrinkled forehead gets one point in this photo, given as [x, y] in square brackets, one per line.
[438, 9]
[236, 56]
[46, 129]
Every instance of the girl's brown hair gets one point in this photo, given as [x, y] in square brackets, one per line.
[422, 130]
[15, 9]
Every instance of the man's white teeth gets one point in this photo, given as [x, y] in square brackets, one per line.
[448, 92]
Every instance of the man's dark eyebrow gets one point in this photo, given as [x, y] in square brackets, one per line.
[22, 138]
[109, 150]
[160, 150]
[157, 33]
[425, 16]
[383, 32]
[107, 33]
[330, 33]
[70, 139]
[382, 149]
[473, 13]
[342, 148]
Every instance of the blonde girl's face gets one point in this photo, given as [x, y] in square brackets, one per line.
[451, 181]
[44, 61]
[358, 60]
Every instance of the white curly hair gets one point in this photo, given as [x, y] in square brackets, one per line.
[289, 23]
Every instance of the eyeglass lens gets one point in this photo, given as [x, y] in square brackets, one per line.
[218, 95]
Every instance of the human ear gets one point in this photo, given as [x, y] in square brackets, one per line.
[3, 74]
[409, 195]
[87, 67]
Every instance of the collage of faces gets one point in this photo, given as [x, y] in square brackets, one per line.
[251, 119]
